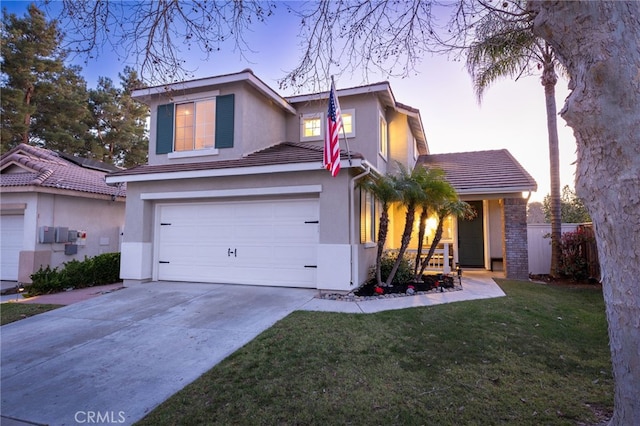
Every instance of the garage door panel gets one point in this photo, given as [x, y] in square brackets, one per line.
[262, 243]
[11, 240]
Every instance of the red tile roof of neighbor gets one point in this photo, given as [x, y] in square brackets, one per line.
[27, 165]
[282, 153]
[495, 171]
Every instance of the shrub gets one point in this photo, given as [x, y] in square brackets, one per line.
[573, 261]
[98, 270]
[404, 274]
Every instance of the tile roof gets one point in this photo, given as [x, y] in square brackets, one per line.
[495, 171]
[281, 153]
[27, 165]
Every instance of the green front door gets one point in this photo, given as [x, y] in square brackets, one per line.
[471, 239]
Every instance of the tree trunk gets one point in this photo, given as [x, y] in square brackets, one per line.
[598, 43]
[382, 238]
[422, 225]
[549, 80]
[432, 249]
[404, 243]
[27, 116]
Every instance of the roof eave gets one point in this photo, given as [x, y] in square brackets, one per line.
[146, 95]
[229, 171]
[499, 190]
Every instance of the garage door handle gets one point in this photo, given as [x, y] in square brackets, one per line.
[235, 254]
[164, 261]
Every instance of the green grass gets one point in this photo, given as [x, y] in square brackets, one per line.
[11, 312]
[537, 356]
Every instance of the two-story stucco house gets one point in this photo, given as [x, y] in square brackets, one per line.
[235, 191]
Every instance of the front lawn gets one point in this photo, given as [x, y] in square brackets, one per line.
[10, 311]
[537, 356]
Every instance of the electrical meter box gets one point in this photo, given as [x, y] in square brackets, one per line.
[62, 234]
[73, 235]
[46, 235]
[70, 249]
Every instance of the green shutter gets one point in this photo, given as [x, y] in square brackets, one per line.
[224, 121]
[164, 129]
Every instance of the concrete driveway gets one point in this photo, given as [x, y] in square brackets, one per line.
[112, 359]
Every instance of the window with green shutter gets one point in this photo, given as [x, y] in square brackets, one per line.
[198, 125]
[164, 129]
[224, 121]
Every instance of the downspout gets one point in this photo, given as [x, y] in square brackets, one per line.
[352, 217]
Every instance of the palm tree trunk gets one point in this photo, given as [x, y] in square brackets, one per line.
[406, 239]
[436, 240]
[549, 80]
[421, 230]
[382, 238]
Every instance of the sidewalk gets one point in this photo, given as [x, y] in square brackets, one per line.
[475, 285]
[65, 297]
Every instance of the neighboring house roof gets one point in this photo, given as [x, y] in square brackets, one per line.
[30, 166]
[482, 172]
[284, 153]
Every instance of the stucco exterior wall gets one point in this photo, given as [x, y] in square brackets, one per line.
[258, 123]
[334, 216]
[367, 112]
[102, 219]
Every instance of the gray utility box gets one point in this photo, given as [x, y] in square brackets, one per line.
[70, 249]
[46, 235]
[73, 236]
[62, 234]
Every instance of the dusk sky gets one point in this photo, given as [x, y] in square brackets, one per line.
[512, 114]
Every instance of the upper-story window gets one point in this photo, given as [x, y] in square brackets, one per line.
[199, 126]
[384, 137]
[195, 125]
[313, 126]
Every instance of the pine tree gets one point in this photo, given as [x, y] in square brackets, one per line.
[119, 135]
[43, 102]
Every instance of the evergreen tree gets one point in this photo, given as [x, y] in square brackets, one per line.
[572, 208]
[43, 102]
[119, 135]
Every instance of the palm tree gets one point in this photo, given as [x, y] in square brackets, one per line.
[383, 189]
[416, 188]
[448, 207]
[436, 189]
[508, 48]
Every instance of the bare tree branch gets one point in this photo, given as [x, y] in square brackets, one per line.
[153, 35]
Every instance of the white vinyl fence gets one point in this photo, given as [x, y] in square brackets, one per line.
[540, 247]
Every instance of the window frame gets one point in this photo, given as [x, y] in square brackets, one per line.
[369, 221]
[383, 137]
[323, 125]
[195, 125]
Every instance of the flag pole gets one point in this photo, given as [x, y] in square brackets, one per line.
[344, 133]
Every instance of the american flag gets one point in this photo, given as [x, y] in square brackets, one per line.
[332, 135]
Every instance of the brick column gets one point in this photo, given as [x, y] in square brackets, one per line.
[514, 243]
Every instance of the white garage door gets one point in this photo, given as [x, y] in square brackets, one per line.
[12, 229]
[254, 242]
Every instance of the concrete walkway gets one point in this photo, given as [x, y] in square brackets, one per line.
[117, 355]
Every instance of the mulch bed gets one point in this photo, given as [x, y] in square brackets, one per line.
[428, 283]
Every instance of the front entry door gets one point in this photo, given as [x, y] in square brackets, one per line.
[471, 239]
